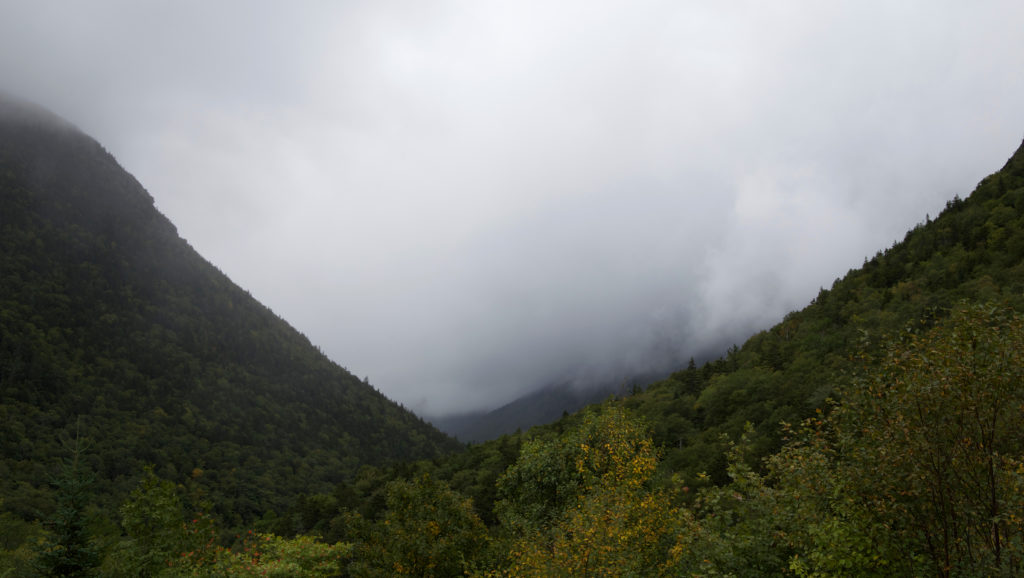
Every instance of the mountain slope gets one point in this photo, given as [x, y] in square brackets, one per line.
[542, 406]
[539, 407]
[113, 327]
[973, 251]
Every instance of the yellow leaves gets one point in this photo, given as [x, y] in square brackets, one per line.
[607, 523]
[612, 532]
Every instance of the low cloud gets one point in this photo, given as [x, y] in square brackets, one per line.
[464, 201]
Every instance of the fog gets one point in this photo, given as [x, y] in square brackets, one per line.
[463, 201]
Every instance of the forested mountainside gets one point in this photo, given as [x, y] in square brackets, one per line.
[973, 251]
[113, 329]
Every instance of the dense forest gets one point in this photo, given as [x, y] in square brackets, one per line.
[159, 421]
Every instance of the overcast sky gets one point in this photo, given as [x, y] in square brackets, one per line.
[466, 200]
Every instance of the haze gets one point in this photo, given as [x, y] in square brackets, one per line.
[464, 201]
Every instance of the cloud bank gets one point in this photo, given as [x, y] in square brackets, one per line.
[464, 201]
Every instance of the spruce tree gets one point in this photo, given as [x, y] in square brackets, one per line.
[68, 549]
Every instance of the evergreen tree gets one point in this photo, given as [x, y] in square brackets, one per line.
[68, 549]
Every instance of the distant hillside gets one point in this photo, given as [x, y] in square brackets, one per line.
[112, 326]
[540, 407]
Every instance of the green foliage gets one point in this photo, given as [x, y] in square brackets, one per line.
[264, 555]
[830, 531]
[68, 548]
[599, 518]
[736, 529]
[300, 556]
[160, 540]
[427, 530]
[919, 469]
[154, 524]
[18, 540]
[549, 476]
